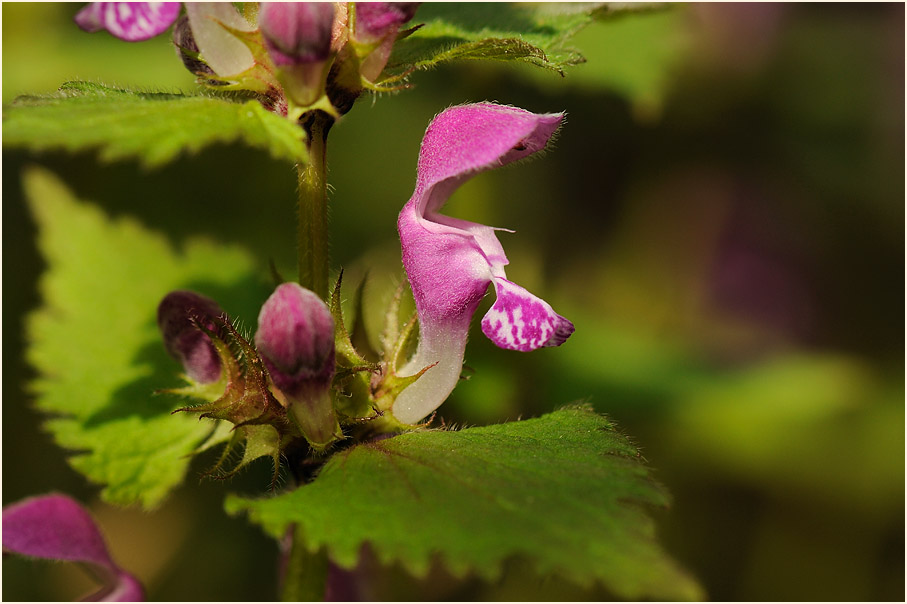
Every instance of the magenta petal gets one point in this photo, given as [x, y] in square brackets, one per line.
[519, 320]
[450, 262]
[374, 20]
[178, 317]
[129, 21]
[468, 139]
[89, 18]
[54, 527]
[295, 337]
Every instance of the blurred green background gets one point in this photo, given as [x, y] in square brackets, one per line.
[721, 217]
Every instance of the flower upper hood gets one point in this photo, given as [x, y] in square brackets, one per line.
[450, 262]
[55, 527]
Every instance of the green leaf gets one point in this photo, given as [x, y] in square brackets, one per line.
[153, 127]
[533, 33]
[96, 346]
[565, 491]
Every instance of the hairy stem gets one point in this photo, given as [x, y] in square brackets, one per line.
[312, 229]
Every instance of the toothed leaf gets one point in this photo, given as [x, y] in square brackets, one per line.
[565, 492]
[100, 293]
[152, 127]
[537, 34]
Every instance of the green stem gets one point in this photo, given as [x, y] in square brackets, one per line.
[306, 573]
[312, 231]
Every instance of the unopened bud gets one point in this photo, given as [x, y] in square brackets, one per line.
[375, 29]
[375, 20]
[178, 317]
[295, 339]
[298, 38]
[297, 32]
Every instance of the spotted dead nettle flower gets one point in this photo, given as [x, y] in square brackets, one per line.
[450, 262]
[129, 21]
[54, 527]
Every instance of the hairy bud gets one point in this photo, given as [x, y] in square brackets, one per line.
[179, 315]
[295, 340]
[298, 38]
[375, 20]
[297, 32]
[375, 28]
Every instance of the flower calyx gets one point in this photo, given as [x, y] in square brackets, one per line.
[366, 389]
[245, 400]
[225, 50]
[225, 372]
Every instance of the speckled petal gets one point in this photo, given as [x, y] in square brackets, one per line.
[519, 320]
[129, 21]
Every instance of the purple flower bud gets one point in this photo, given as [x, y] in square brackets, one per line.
[375, 26]
[177, 317]
[375, 20]
[296, 338]
[297, 32]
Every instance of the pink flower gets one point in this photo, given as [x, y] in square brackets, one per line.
[54, 527]
[450, 262]
[129, 21]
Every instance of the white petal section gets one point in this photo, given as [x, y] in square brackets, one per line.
[221, 50]
[519, 320]
[445, 348]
